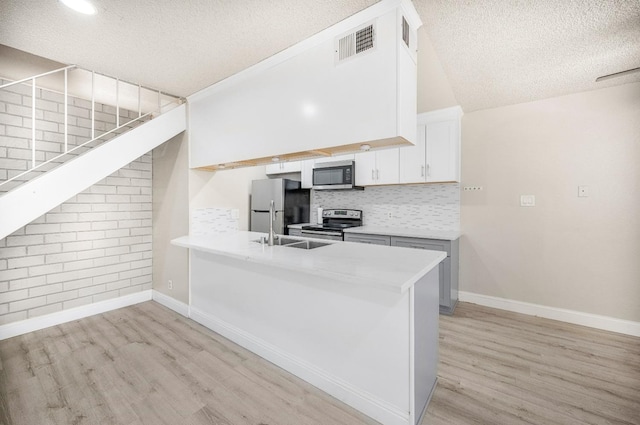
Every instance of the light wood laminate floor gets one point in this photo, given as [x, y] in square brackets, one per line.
[147, 365]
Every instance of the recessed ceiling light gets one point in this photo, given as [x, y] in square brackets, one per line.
[365, 147]
[82, 6]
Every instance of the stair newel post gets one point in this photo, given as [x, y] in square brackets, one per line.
[66, 111]
[33, 122]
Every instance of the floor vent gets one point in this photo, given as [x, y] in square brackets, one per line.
[355, 43]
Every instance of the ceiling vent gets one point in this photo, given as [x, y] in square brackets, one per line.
[405, 31]
[355, 43]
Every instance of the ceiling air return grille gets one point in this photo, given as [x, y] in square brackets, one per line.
[405, 31]
[355, 43]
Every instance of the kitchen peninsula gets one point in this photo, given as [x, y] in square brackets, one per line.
[357, 321]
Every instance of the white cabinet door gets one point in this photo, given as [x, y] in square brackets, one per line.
[442, 152]
[365, 168]
[375, 168]
[413, 159]
[306, 173]
[291, 166]
[283, 167]
[273, 168]
[387, 166]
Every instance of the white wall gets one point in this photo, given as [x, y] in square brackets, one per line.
[434, 89]
[171, 217]
[574, 253]
[224, 189]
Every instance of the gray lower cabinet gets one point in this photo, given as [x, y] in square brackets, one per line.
[370, 239]
[448, 267]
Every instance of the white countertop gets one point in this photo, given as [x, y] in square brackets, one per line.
[390, 268]
[446, 235]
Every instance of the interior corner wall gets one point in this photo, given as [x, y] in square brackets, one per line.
[171, 217]
[434, 89]
[225, 189]
[569, 252]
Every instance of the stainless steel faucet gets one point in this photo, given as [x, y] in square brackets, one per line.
[272, 217]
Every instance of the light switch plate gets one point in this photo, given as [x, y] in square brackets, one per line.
[583, 191]
[527, 200]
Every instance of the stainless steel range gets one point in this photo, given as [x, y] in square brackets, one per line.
[334, 221]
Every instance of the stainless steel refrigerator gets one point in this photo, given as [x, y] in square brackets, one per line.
[292, 204]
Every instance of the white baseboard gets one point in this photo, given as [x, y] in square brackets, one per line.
[606, 323]
[171, 303]
[358, 399]
[40, 322]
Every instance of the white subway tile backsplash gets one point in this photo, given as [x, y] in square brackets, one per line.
[207, 221]
[425, 206]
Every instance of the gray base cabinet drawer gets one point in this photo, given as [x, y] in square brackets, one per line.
[432, 244]
[370, 239]
[295, 232]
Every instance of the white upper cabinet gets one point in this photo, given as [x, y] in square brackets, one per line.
[284, 167]
[377, 168]
[350, 84]
[347, 157]
[436, 155]
[306, 173]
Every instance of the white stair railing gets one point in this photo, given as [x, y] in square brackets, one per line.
[108, 91]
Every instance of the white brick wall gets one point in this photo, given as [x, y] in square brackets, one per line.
[15, 126]
[95, 246]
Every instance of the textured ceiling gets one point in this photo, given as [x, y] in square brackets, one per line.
[177, 46]
[494, 52]
[498, 52]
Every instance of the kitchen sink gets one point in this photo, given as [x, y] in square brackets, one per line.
[295, 243]
[307, 244]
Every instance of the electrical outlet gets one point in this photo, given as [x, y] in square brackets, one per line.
[583, 191]
[170, 284]
[527, 200]
[389, 215]
[472, 188]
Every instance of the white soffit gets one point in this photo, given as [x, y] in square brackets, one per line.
[498, 52]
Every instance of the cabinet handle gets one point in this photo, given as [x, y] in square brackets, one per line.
[373, 174]
[428, 169]
[422, 171]
[377, 174]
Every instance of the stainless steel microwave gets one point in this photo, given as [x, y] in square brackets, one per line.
[335, 175]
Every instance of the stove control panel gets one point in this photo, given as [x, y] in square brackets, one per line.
[334, 213]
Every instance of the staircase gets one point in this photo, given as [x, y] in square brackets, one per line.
[66, 130]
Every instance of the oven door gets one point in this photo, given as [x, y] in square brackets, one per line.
[322, 234]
